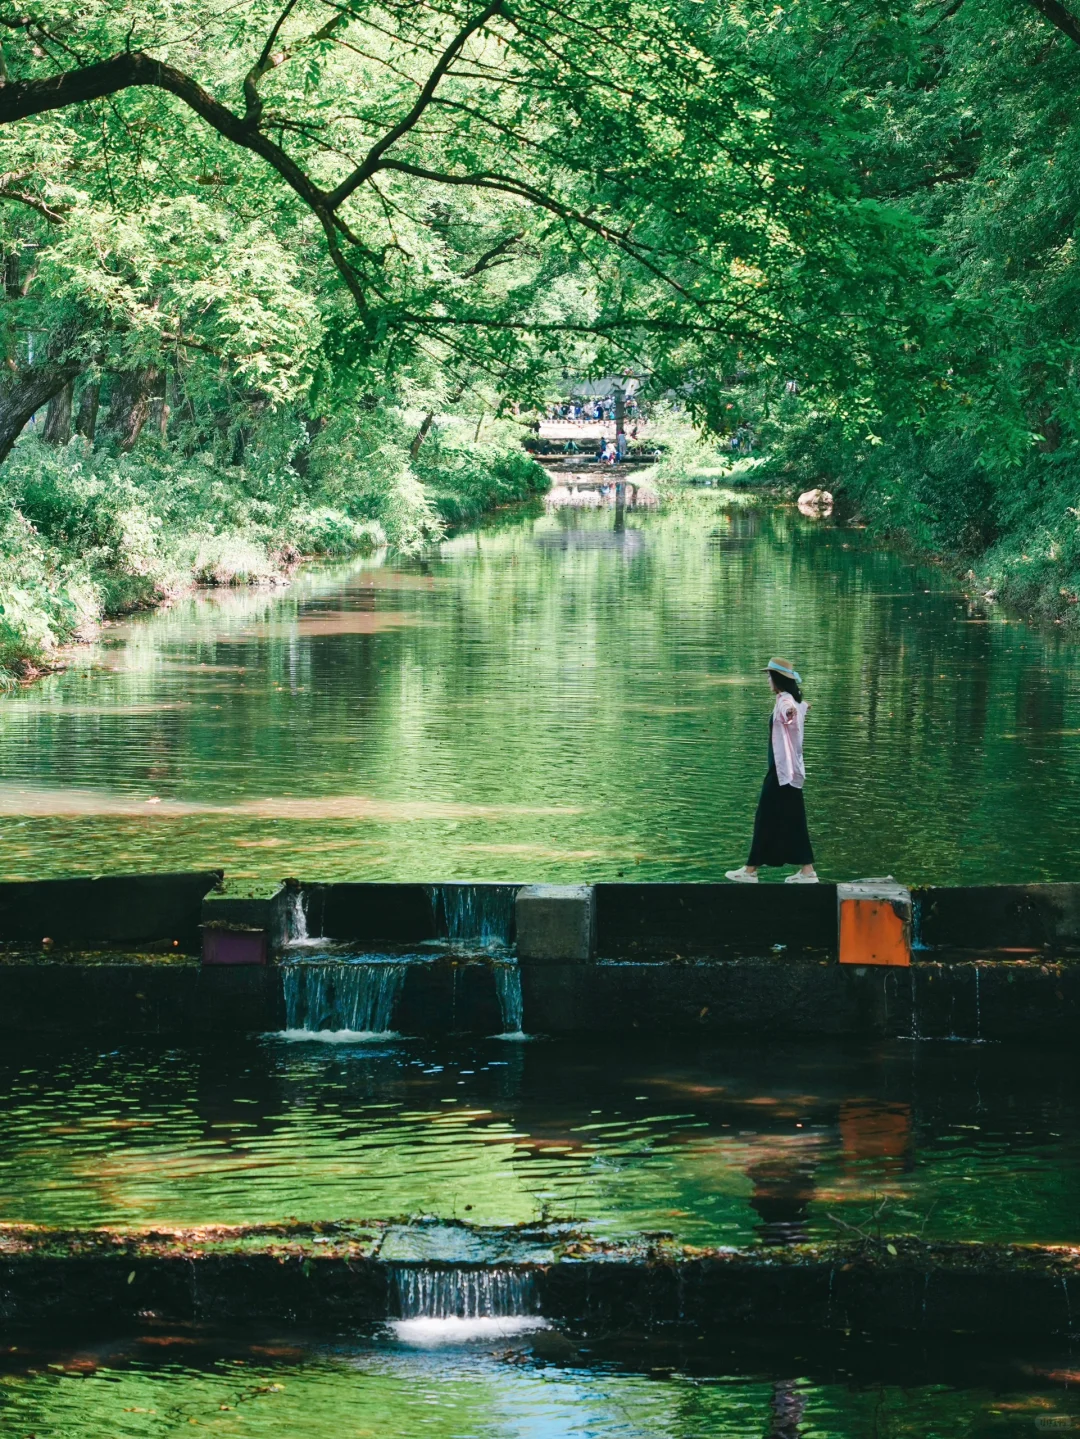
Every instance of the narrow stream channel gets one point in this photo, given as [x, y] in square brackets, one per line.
[555, 697]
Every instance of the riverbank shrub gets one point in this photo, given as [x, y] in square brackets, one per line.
[1011, 531]
[86, 534]
[467, 476]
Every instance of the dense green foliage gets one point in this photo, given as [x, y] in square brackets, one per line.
[251, 253]
[91, 532]
[965, 118]
[274, 244]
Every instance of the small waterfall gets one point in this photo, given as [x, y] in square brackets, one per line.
[296, 923]
[481, 914]
[354, 996]
[425, 1293]
[508, 989]
[454, 1306]
[296, 930]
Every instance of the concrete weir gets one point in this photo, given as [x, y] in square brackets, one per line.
[190, 955]
[337, 1273]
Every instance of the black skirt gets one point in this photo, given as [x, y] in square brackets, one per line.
[780, 833]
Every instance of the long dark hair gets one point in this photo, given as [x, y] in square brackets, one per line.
[789, 686]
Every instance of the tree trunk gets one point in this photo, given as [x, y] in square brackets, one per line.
[57, 430]
[22, 392]
[129, 404]
[11, 275]
[86, 424]
[421, 435]
[159, 415]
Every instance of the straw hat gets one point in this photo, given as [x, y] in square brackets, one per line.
[784, 667]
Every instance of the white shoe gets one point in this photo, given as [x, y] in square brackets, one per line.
[799, 878]
[741, 875]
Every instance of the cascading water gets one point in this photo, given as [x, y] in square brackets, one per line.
[508, 989]
[296, 930]
[341, 997]
[449, 1306]
[297, 918]
[479, 914]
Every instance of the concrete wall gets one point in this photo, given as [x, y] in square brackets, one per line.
[126, 909]
[446, 996]
[660, 920]
[329, 1275]
[800, 999]
[391, 914]
[999, 917]
[633, 921]
[759, 998]
[182, 1000]
[674, 958]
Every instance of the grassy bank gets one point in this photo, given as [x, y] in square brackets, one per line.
[1007, 530]
[88, 534]
[1010, 532]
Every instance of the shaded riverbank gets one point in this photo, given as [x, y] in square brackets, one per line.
[88, 535]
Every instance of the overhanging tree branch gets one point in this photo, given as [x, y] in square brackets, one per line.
[508, 186]
[1059, 17]
[20, 99]
[23, 98]
[268, 60]
[423, 100]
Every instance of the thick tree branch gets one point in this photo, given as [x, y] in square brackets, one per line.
[20, 197]
[252, 100]
[1058, 16]
[22, 98]
[23, 197]
[268, 60]
[498, 254]
[423, 100]
[508, 186]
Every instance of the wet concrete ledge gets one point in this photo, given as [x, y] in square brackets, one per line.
[653, 921]
[951, 998]
[333, 1274]
[117, 954]
[1021, 1000]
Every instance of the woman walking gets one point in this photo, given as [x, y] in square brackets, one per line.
[780, 833]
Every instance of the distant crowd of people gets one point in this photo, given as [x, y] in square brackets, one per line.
[607, 451]
[591, 412]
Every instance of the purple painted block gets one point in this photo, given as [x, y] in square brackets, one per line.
[234, 946]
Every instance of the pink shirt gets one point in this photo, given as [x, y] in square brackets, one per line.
[788, 721]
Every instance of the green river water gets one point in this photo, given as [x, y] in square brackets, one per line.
[283, 1387]
[720, 1144]
[555, 697]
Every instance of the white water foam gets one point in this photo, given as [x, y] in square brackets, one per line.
[460, 1306]
[338, 1036]
[434, 1333]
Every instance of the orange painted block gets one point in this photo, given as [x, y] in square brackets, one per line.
[873, 931]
